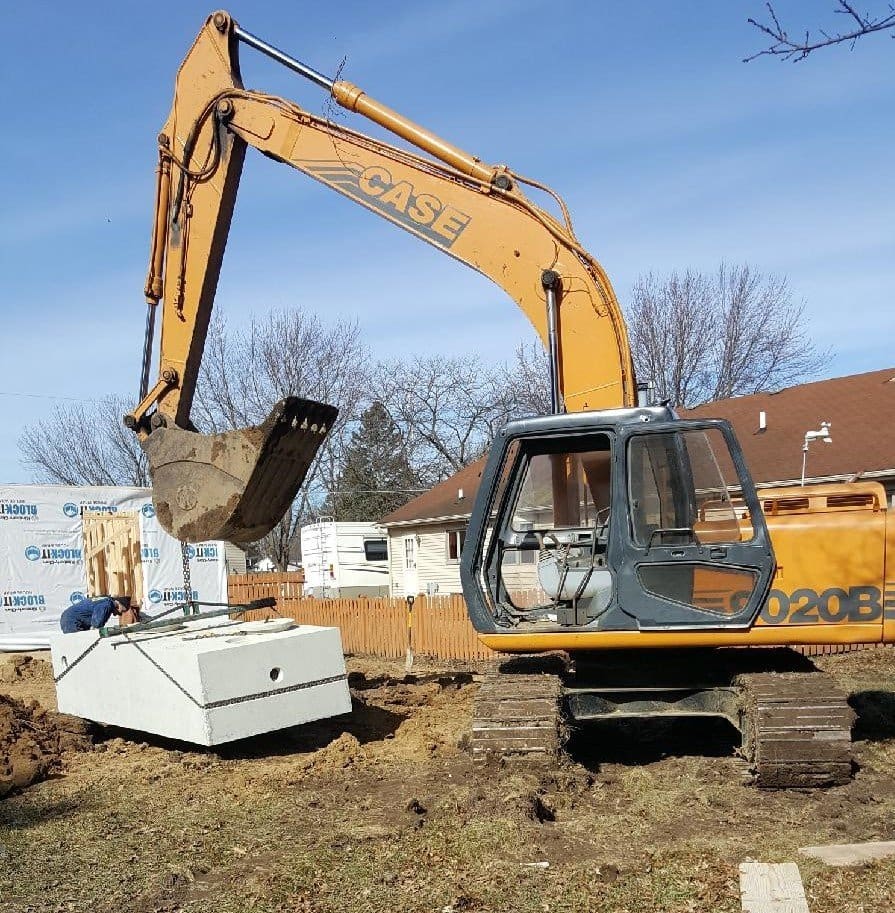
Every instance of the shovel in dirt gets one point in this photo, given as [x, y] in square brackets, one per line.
[408, 658]
[236, 485]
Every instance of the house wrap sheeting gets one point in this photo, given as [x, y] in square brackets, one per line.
[42, 566]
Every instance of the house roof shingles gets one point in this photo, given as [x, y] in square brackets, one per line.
[442, 500]
[860, 408]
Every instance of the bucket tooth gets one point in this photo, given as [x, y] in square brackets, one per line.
[236, 485]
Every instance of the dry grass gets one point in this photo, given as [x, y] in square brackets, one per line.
[383, 811]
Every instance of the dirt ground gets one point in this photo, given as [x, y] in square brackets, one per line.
[33, 739]
[383, 811]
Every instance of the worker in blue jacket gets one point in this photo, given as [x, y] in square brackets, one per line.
[95, 613]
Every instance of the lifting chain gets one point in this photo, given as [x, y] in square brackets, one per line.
[189, 607]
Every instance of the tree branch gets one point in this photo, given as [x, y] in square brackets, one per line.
[700, 338]
[794, 49]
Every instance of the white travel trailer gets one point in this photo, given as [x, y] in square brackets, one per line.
[344, 559]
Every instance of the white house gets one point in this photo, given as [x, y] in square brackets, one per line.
[234, 559]
[425, 536]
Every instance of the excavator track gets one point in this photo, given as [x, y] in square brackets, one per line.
[796, 729]
[518, 717]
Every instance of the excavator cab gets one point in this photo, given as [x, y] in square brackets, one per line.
[620, 520]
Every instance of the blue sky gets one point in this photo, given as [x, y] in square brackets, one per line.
[670, 152]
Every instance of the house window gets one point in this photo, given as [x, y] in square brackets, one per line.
[455, 540]
[409, 553]
[375, 550]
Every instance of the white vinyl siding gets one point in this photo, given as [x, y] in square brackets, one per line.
[235, 558]
[432, 562]
[518, 576]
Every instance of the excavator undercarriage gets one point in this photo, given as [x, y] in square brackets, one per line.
[794, 720]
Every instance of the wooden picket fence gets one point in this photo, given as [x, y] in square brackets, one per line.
[243, 588]
[376, 626]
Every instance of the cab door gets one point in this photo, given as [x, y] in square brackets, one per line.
[689, 550]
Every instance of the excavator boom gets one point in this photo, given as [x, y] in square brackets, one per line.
[473, 212]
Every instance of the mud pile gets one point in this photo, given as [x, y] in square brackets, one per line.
[33, 740]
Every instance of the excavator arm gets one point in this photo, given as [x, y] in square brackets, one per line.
[473, 212]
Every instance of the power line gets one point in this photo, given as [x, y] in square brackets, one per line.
[376, 491]
[53, 396]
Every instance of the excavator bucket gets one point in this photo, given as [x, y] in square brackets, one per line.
[236, 485]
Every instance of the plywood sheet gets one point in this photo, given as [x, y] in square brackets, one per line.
[772, 888]
[112, 554]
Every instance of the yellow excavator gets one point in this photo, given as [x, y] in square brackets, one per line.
[606, 530]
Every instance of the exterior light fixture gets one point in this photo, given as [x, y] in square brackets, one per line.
[823, 434]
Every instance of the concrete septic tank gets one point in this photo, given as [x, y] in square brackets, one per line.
[203, 682]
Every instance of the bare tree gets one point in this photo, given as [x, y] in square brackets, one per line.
[671, 330]
[85, 444]
[700, 338]
[446, 410]
[243, 373]
[856, 25]
[287, 353]
[526, 381]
